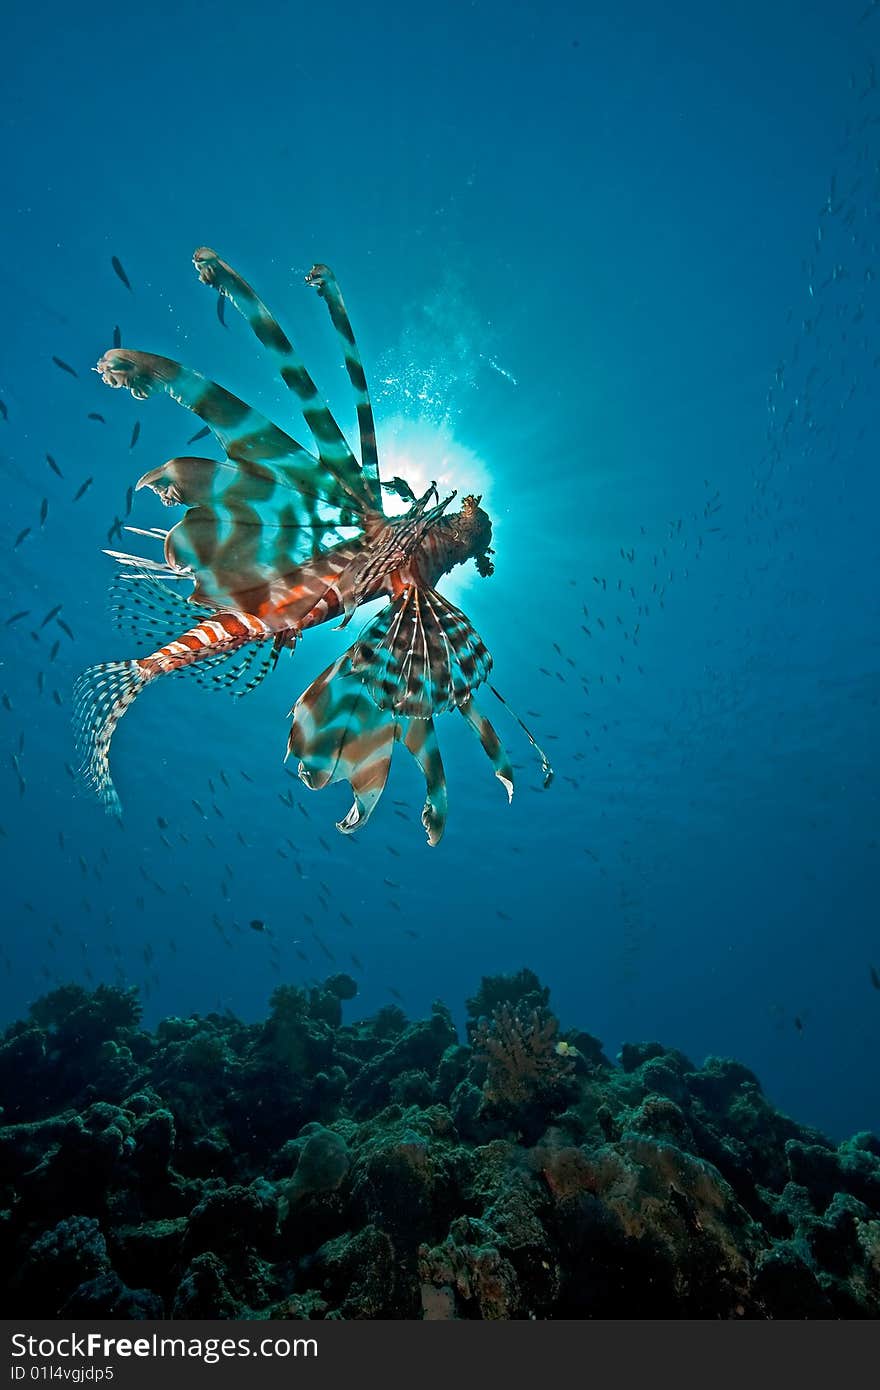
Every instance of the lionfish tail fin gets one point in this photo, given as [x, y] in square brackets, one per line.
[101, 695]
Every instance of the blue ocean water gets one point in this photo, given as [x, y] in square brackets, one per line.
[616, 270]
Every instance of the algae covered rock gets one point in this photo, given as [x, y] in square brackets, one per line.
[71, 1253]
[323, 1163]
[150, 1252]
[358, 1275]
[107, 1296]
[203, 1291]
[229, 1218]
[467, 1276]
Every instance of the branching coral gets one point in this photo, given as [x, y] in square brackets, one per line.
[523, 1060]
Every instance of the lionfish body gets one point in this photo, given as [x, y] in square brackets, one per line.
[277, 539]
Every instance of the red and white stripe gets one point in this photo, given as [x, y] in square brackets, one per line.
[223, 632]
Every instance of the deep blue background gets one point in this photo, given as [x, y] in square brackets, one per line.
[624, 211]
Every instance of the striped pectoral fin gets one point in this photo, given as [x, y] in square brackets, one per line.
[421, 741]
[338, 734]
[370, 757]
[546, 767]
[333, 448]
[324, 281]
[188, 480]
[248, 526]
[420, 655]
[243, 432]
[246, 531]
[492, 746]
[289, 494]
[321, 718]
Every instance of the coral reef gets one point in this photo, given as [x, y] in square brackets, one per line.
[524, 1062]
[304, 1167]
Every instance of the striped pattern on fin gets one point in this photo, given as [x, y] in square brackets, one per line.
[237, 551]
[236, 672]
[101, 695]
[212, 482]
[420, 655]
[325, 282]
[333, 448]
[338, 734]
[420, 739]
[145, 608]
[154, 613]
[546, 768]
[255, 515]
[242, 432]
[492, 745]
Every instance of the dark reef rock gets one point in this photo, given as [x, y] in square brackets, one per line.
[203, 1291]
[303, 1167]
[61, 1259]
[107, 1297]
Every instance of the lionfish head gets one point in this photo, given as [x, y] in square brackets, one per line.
[463, 535]
[471, 533]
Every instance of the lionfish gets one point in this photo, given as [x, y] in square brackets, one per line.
[277, 539]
